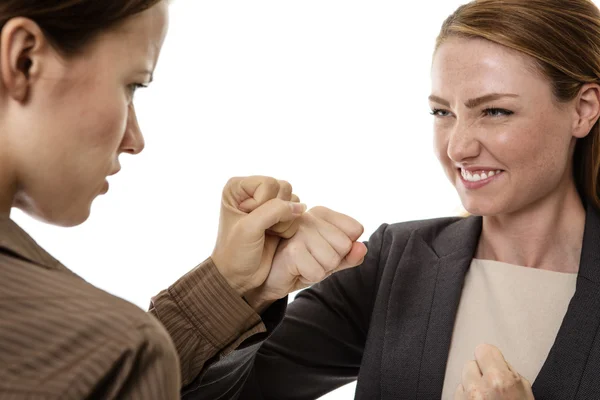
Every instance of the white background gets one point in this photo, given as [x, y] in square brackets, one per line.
[330, 95]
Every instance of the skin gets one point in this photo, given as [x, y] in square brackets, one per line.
[490, 377]
[532, 213]
[64, 121]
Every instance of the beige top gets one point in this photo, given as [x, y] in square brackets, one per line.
[515, 308]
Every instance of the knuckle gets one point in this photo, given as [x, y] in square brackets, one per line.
[495, 379]
[499, 380]
[231, 182]
[484, 349]
[308, 219]
[285, 187]
[271, 182]
[311, 274]
[319, 210]
[357, 230]
[320, 275]
[334, 262]
[346, 246]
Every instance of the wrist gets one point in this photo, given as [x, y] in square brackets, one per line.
[257, 301]
[232, 280]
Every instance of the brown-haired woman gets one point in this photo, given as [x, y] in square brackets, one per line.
[68, 72]
[489, 305]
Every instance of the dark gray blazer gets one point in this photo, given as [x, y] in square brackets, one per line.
[388, 323]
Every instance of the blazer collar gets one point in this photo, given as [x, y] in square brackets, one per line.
[14, 240]
[454, 245]
[461, 236]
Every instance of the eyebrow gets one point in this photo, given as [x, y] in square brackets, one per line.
[472, 103]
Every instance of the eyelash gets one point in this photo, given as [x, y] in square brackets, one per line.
[135, 86]
[435, 112]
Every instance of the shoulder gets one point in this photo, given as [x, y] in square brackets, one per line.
[87, 332]
[428, 229]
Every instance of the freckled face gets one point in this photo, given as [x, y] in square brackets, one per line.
[520, 130]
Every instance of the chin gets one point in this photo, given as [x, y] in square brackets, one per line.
[482, 208]
[66, 218]
[54, 209]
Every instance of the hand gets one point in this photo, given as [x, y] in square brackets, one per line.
[489, 376]
[324, 244]
[250, 206]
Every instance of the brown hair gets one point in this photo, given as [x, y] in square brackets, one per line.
[563, 36]
[71, 24]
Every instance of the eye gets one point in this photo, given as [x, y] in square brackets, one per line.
[497, 112]
[438, 112]
[134, 87]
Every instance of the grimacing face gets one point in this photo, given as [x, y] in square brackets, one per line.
[503, 140]
[79, 117]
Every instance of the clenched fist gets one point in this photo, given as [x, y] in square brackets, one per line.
[325, 242]
[490, 377]
[252, 207]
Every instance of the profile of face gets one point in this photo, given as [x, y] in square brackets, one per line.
[503, 139]
[68, 118]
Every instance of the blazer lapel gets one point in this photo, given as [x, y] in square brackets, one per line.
[573, 362]
[420, 315]
[456, 248]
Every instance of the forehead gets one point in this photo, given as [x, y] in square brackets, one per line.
[140, 37]
[473, 65]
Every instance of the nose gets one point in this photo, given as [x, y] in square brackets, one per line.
[133, 140]
[463, 142]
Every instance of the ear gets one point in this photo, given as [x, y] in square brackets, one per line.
[21, 45]
[587, 109]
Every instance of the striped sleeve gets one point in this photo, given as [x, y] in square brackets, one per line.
[204, 317]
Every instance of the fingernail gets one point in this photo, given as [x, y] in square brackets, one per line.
[298, 208]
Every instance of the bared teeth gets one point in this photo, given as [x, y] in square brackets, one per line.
[477, 176]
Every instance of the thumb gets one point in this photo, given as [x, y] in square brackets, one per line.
[354, 258]
[268, 214]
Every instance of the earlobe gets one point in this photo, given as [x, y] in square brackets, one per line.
[20, 41]
[588, 109]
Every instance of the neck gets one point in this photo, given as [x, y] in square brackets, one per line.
[545, 235]
[7, 189]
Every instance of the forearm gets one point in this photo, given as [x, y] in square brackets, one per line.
[204, 317]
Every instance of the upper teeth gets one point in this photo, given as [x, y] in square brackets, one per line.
[480, 175]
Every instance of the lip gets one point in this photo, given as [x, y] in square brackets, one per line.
[115, 172]
[479, 184]
[472, 168]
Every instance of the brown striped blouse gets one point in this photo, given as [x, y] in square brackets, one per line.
[62, 338]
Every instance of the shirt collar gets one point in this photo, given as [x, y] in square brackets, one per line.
[13, 239]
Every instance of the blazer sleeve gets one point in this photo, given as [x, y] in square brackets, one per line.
[316, 348]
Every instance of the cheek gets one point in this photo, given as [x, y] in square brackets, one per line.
[104, 124]
[440, 144]
[541, 144]
[440, 148]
